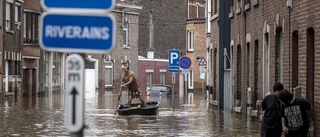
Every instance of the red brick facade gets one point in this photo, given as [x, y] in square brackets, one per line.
[270, 43]
[155, 67]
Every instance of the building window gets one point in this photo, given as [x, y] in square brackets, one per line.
[31, 30]
[17, 17]
[163, 77]
[8, 14]
[190, 40]
[238, 4]
[149, 80]
[188, 14]
[215, 7]
[247, 1]
[125, 34]
[197, 11]
[190, 80]
[231, 6]
[108, 73]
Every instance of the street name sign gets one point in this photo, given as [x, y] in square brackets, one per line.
[74, 105]
[78, 4]
[174, 60]
[76, 32]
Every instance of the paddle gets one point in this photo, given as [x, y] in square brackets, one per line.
[115, 112]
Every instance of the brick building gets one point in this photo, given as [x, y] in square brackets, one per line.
[2, 28]
[20, 49]
[196, 47]
[155, 71]
[29, 69]
[270, 42]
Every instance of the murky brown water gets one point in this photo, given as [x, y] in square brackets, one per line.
[44, 116]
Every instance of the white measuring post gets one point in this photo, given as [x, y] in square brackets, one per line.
[74, 93]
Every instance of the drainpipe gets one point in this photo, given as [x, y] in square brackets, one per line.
[209, 53]
[150, 51]
[7, 76]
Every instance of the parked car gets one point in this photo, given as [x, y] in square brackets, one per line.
[159, 90]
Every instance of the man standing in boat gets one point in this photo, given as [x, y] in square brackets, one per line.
[129, 80]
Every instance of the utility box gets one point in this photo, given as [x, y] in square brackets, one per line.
[297, 92]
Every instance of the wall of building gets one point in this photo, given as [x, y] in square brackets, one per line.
[214, 42]
[1, 42]
[199, 29]
[156, 65]
[249, 24]
[30, 53]
[169, 26]
[120, 54]
[303, 16]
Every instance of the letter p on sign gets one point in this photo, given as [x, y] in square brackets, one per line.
[174, 57]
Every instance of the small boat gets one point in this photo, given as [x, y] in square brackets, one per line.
[152, 108]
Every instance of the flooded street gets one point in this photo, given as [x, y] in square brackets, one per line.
[44, 116]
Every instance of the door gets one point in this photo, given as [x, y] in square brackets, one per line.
[29, 81]
[90, 82]
[227, 91]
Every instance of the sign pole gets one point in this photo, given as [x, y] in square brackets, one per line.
[185, 88]
[173, 66]
[203, 90]
[202, 77]
[185, 63]
[85, 17]
[173, 94]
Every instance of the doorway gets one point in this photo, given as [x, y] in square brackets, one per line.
[29, 81]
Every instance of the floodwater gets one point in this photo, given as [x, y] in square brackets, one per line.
[44, 116]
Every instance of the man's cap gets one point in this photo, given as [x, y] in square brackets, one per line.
[278, 86]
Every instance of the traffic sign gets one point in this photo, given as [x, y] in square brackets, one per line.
[185, 62]
[174, 60]
[78, 4]
[185, 71]
[203, 62]
[74, 105]
[76, 32]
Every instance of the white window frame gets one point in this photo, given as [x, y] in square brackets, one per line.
[17, 15]
[197, 11]
[190, 40]
[24, 25]
[9, 4]
[163, 76]
[28, 29]
[190, 79]
[149, 75]
[125, 34]
[108, 65]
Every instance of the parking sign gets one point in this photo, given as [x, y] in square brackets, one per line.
[174, 60]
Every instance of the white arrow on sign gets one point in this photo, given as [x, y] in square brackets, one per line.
[74, 105]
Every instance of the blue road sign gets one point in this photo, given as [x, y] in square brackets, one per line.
[77, 33]
[174, 60]
[80, 4]
[185, 62]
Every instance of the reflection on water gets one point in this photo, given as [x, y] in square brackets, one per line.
[43, 116]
